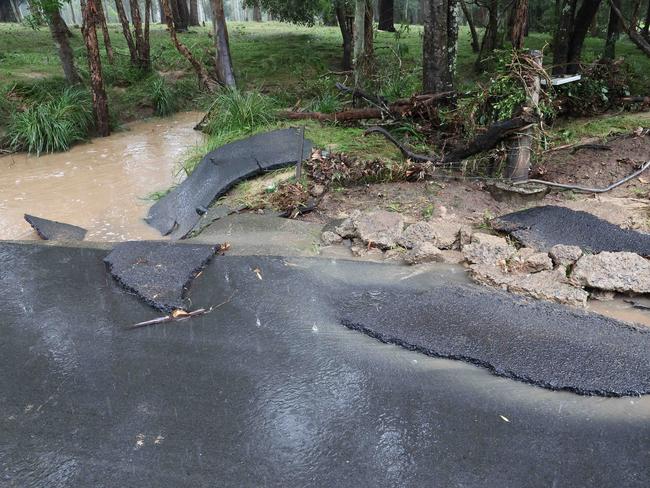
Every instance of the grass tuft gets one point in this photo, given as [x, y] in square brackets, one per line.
[162, 96]
[240, 112]
[53, 125]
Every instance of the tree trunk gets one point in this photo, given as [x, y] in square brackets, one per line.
[387, 15]
[472, 28]
[72, 15]
[100, 102]
[613, 32]
[140, 44]
[584, 17]
[635, 37]
[107, 37]
[562, 37]
[257, 12]
[126, 30]
[346, 24]
[183, 15]
[59, 32]
[146, 46]
[204, 79]
[16, 8]
[363, 43]
[225, 72]
[518, 23]
[7, 13]
[490, 37]
[645, 32]
[194, 13]
[439, 45]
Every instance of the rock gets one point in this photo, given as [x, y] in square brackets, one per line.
[517, 194]
[565, 255]
[396, 254]
[328, 238]
[380, 229]
[615, 271]
[446, 233]
[417, 233]
[488, 249]
[528, 260]
[424, 252]
[464, 235]
[450, 256]
[346, 228]
[545, 285]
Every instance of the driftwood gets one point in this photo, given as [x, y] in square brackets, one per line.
[496, 133]
[417, 104]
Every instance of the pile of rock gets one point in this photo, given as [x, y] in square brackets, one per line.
[437, 240]
[560, 275]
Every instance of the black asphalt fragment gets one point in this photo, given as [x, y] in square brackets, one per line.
[270, 390]
[51, 230]
[544, 227]
[178, 212]
[159, 272]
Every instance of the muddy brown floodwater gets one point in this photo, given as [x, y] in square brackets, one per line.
[102, 185]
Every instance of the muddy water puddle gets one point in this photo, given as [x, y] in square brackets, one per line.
[102, 185]
[621, 309]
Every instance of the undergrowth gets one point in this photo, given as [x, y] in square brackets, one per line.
[52, 125]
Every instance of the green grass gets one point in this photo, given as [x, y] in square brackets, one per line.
[289, 64]
[52, 125]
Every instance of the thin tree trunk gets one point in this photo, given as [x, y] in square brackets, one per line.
[194, 13]
[435, 64]
[257, 12]
[140, 46]
[225, 72]
[100, 102]
[59, 32]
[346, 24]
[204, 79]
[563, 33]
[146, 46]
[107, 37]
[363, 43]
[476, 47]
[490, 37]
[584, 17]
[74, 19]
[17, 14]
[630, 29]
[126, 30]
[518, 23]
[387, 15]
[613, 33]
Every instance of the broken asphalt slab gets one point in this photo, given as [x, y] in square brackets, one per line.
[178, 212]
[544, 227]
[271, 389]
[51, 230]
[159, 272]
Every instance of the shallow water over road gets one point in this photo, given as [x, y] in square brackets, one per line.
[102, 185]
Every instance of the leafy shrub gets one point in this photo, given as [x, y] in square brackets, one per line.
[53, 125]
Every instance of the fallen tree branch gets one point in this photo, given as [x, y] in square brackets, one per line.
[494, 134]
[586, 189]
[356, 93]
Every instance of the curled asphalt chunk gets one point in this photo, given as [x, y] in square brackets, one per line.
[539, 343]
[177, 213]
[159, 272]
[50, 230]
[544, 227]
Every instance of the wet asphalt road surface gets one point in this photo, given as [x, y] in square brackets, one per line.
[271, 390]
[544, 227]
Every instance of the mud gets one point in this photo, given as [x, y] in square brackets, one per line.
[101, 185]
[270, 389]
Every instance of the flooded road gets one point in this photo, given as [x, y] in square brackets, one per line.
[102, 185]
